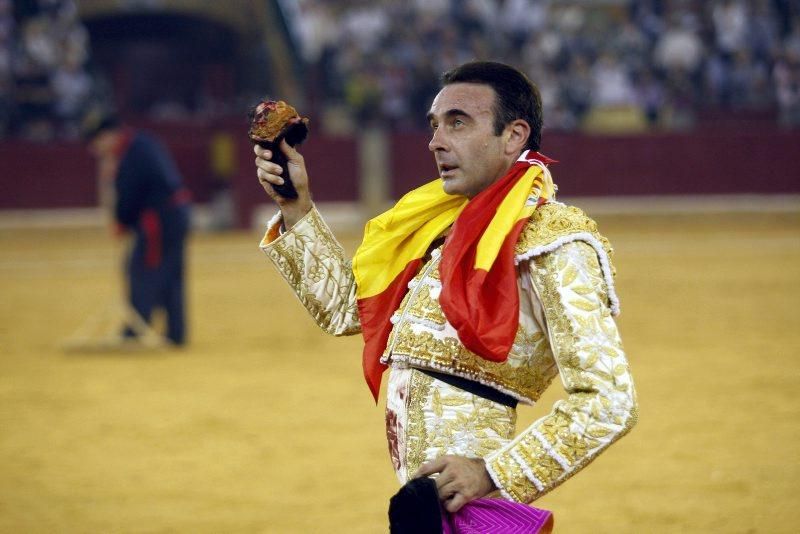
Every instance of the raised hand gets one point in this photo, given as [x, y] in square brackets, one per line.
[269, 174]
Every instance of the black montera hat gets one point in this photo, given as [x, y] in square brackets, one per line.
[415, 509]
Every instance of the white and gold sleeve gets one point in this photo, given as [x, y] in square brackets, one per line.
[601, 401]
[314, 264]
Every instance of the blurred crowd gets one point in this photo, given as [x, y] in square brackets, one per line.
[658, 63]
[44, 81]
[644, 64]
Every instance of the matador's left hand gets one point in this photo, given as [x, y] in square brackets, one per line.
[460, 480]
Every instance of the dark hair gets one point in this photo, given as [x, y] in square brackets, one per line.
[517, 96]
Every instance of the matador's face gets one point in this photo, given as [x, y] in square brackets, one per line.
[469, 155]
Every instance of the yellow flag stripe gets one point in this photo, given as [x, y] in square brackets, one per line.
[403, 233]
[508, 213]
[406, 230]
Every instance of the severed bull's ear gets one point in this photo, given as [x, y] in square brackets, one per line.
[270, 118]
[272, 121]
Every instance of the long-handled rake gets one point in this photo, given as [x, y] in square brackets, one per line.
[115, 328]
[103, 332]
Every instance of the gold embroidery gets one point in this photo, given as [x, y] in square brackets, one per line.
[478, 427]
[528, 375]
[443, 419]
[530, 367]
[573, 448]
[528, 370]
[530, 343]
[417, 433]
[601, 403]
[314, 264]
[512, 479]
[531, 450]
[553, 221]
[434, 273]
[402, 310]
[547, 470]
[426, 307]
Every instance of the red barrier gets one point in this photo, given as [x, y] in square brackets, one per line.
[700, 163]
[63, 175]
[52, 175]
[706, 162]
[34, 175]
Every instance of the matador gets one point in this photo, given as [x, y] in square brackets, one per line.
[474, 292]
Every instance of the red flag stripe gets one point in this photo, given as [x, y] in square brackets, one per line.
[375, 314]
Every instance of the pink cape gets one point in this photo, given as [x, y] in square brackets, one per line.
[497, 516]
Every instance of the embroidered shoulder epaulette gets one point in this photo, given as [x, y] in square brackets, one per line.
[555, 224]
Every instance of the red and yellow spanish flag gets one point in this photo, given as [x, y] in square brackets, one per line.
[479, 284]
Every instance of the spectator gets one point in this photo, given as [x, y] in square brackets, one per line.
[650, 96]
[719, 54]
[786, 75]
[611, 85]
[578, 85]
[679, 47]
[6, 73]
[43, 80]
[71, 87]
[749, 82]
[730, 26]
[381, 61]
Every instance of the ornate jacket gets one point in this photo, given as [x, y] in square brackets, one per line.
[567, 299]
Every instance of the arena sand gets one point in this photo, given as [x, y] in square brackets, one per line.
[263, 424]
